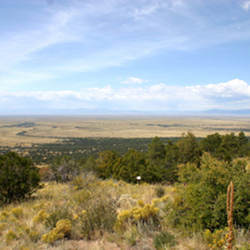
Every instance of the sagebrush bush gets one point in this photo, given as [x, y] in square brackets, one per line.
[19, 178]
[99, 215]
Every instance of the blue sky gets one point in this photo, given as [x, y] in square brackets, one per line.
[116, 56]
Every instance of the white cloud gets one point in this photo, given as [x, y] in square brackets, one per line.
[234, 94]
[134, 80]
[111, 35]
[246, 5]
[232, 89]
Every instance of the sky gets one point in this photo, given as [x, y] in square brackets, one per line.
[124, 56]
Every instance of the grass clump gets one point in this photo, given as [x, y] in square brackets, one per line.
[99, 215]
[164, 240]
[33, 235]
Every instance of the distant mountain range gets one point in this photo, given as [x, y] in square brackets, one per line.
[67, 112]
[228, 112]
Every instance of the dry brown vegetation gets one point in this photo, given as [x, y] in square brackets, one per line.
[84, 224]
[52, 129]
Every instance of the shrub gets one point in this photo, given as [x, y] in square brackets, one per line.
[19, 178]
[159, 191]
[131, 236]
[64, 169]
[62, 230]
[144, 214]
[164, 240]
[201, 203]
[189, 149]
[84, 181]
[33, 235]
[17, 212]
[56, 215]
[40, 217]
[99, 215]
[105, 163]
[45, 173]
[216, 239]
[10, 236]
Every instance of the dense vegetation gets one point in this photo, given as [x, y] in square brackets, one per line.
[189, 176]
[204, 166]
[160, 162]
[79, 148]
[19, 178]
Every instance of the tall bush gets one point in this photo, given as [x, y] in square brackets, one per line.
[201, 198]
[19, 178]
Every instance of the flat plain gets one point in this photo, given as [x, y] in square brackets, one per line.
[48, 129]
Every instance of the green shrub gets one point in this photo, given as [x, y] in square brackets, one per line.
[200, 203]
[163, 240]
[189, 150]
[19, 178]
[160, 192]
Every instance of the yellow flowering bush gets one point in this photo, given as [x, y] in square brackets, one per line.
[10, 236]
[216, 239]
[17, 212]
[62, 229]
[145, 214]
[3, 226]
[4, 215]
[33, 235]
[40, 217]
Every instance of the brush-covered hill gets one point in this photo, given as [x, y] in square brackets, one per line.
[179, 201]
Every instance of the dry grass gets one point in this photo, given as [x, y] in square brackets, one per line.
[23, 225]
[47, 128]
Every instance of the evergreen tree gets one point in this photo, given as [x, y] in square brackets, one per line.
[19, 178]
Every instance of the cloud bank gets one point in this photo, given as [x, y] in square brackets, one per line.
[234, 94]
